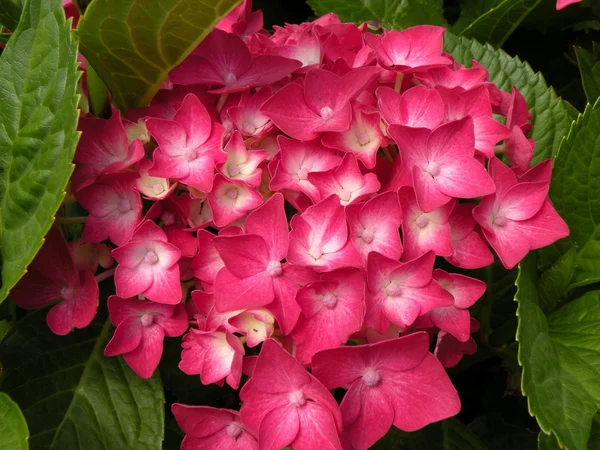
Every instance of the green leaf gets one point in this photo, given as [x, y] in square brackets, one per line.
[554, 282]
[574, 192]
[499, 435]
[589, 66]
[10, 12]
[97, 94]
[75, 398]
[450, 434]
[133, 44]
[492, 21]
[397, 13]
[13, 428]
[560, 356]
[551, 120]
[548, 441]
[38, 121]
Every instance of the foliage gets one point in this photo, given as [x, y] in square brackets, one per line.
[533, 382]
[132, 44]
[38, 73]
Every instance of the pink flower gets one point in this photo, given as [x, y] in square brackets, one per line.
[333, 308]
[53, 276]
[141, 328]
[115, 208]
[364, 138]
[450, 350]
[148, 266]
[321, 104]
[423, 232]
[374, 226]
[458, 79]
[400, 292]
[465, 291]
[230, 200]
[103, 148]
[469, 249]
[346, 181]
[211, 428]
[416, 48]
[189, 145]
[518, 217]
[298, 159]
[476, 104]
[254, 274]
[247, 117]
[319, 238]
[560, 4]
[286, 406]
[442, 163]
[224, 61]
[418, 107]
[393, 382]
[154, 188]
[242, 164]
[214, 355]
[257, 325]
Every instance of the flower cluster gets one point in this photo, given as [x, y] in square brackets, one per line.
[291, 192]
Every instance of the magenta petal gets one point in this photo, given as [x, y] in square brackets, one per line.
[289, 111]
[421, 107]
[278, 428]
[372, 415]
[317, 429]
[278, 371]
[284, 307]
[244, 255]
[233, 293]
[145, 358]
[524, 200]
[269, 222]
[78, 309]
[452, 320]
[126, 337]
[423, 395]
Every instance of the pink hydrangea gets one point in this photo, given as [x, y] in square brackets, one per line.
[288, 195]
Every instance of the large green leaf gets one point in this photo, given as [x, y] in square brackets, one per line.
[450, 434]
[398, 13]
[499, 435]
[75, 398]
[551, 120]
[492, 21]
[589, 66]
[574, 192]
[132, 44]
[13, 428]
[10, 12]
[560, 356]
[38, 120]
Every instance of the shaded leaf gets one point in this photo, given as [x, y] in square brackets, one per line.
[13, 428]
[398, 13]
[589, 66]
[554, 282]
[560, 356]
[450, 434]
[133, 44]
[551, 120]
[499, 435]
[575, 193]
[10, 12]
[75, 398]
[38, 120]
[492, 21]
